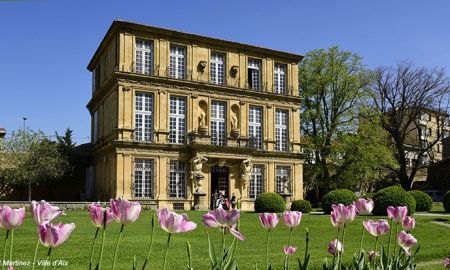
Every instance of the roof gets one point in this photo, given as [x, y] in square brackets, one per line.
[119, 24]
[2, 131]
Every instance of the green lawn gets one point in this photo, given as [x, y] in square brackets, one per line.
[433, 238]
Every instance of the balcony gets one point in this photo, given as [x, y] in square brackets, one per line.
[235, 140]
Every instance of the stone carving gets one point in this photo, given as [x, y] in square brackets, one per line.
[235, 131]
[233, 71]
[196, 171]
[286, 182]
[202, 117]
[201, 66]
[246, 172]
[234, 121]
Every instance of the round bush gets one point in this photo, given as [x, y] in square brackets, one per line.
[269, 202]
[393, 196]
[303, 206]
[446, 202]
[337, 196]
[423, 201]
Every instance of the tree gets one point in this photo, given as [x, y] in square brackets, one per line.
[30, 159]
[333, 84]
[402, 95]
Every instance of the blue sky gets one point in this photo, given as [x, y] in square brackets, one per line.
[45, 45]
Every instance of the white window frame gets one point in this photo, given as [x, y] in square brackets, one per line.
[177, 179]
[177, 119]
[279, 78]
[281, 130]
[256, 185]
[146, 51]
[255, 126]
[217, 68]
[145, 114]
[218, 122]
[177, 62]
[143, 187]
[254, 65]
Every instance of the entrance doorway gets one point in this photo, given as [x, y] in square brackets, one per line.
[219, 183]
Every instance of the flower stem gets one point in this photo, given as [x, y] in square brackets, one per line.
[342, 243]
[375, 252]
[35, 253]
[361, 242]
[396, 235]
[389, 244]
[4, 249]
[337, 238]
[92, 249]
[151, 241]
[48, 257]
[101, 249]
[11, 246]
[286, 259]
[267, 249]
[167, 251]
[222, 248]
[117, 246]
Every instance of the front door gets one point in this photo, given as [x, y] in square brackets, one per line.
[219, 183]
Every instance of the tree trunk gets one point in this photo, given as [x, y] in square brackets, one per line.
[29, 191]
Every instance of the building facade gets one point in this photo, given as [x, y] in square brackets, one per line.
[177, 117]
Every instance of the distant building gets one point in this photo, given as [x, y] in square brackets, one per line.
[177, 117]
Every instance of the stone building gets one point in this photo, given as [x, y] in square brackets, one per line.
[177, 117]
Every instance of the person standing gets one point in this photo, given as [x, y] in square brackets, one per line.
[233, 201]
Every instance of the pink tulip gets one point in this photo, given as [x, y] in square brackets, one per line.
[376, 228]
[227, 221]
[43, 211]
[172, 222]
[292, 218]
[11, 218]
[334, 247]
[97, 214]
[363, 206]
[373, 254]
[268, 220]
[124, 211]
[446, 263]
[342, 214]
[409, 223]
[53, 236]
[397, 214]
[289, 250]
[406, 241]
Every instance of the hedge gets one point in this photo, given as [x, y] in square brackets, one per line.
[423, 201]
[393, 196]
[343, 196]
[303, 206]
[269, 202]
[446, 201]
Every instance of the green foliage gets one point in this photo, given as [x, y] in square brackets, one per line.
[393, 196]
[343, 196]
[269, 202]
[446, 201]
[423, 201]
[303, 206]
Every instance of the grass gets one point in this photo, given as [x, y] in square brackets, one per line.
[135, 241]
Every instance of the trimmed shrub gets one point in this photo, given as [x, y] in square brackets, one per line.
[423, 201]
[393, 196]
[303, 206]
[337, 196]
[269, 202]
[446, 201]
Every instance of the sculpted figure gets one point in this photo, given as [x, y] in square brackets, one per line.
[202, 119]
[286, 182]
[196, 172]
[234, 121]
[246, 172]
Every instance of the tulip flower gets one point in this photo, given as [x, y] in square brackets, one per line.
[335, 247]
[10, 218]
[342, 214]
[446, 263]
[289, 250]
[268, 220]
[124, 211]
[373, 254]
[409, 223]
[172, 223]
[226, 221]
[334, 220]
[53, 236]
[97, 213]
[377, 228]
[43, 211]
[397, 214]
[292, 218]
[406, 241]
[364, 206]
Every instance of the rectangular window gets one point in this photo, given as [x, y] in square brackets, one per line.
[255, 118]
[282, 175]
[217, 68]
[143, 178]
[177, 181]
[95, 127]
[254, 74]
[279, 79]
[143, 117]
[281, 130]
[256, 181]
[143, 61]
[218, 126]
[177, 125]
[177, 62]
